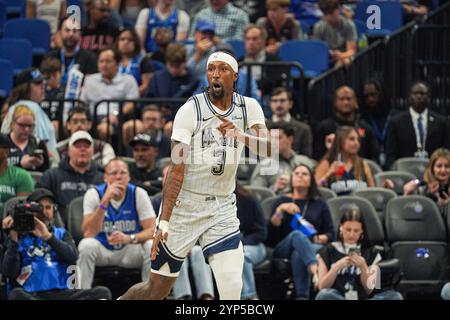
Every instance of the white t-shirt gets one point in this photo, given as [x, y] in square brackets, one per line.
[49, 11]
[142, 20]
[212, 163]
[144, 206]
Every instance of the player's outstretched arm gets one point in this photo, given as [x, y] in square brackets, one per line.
[171, 189]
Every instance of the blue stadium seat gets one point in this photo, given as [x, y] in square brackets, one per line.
[6, 77]
[18, 52]
[311, 54]
[238, 48]
[2, 16]
[391, 16]
[16, 8]
[35, 30]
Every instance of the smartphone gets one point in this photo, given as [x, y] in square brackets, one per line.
[354, 251]
[36, 152]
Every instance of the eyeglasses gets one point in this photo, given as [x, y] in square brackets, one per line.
[278, 100]
[25, 125]
[116, 173]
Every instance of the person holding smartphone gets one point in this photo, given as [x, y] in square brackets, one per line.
[28, 151]
[347, 267]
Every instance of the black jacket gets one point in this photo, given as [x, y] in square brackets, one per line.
[401, 136]
[369, 143]
[253, 227]
[67, 184]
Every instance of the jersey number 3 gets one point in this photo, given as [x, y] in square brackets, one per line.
[218, 169]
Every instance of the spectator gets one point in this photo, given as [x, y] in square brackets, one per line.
[49, 253]
[280, 104]
[191, 6]
[118, 224]
[342, 169]
[293, 244]
[176, 80]
[14, 181]
[79, 120]
[109, 84]
[377, 111]
[253, 234]
[287, 161]
[74, 175]
[27, 151]
[345, 114]
[29, 90]
[153, 122]
[129, 9]
[101, 31]
[51, 70]
[133, 61]
[346, 266]
[70, 54]
[230, 21]
[51, 11]
[415, 10]
[255, 51]
[205, 45]
[429, 129]
[144, 172]
[436, 180]
[254, 8]
[338, 32]
[165, 15]
[279, 25]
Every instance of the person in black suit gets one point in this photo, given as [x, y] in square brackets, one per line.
[417, 131]
[345, 107]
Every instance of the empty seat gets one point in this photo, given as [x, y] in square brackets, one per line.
[267, 206]
[311, 54]
[416, 231]
[261, 193]
[245, 170]
[6, 77]
[2, 16]
[326, 193]
[399, 178]
[378, 197]
[416, 166]
[18, 52]
[15, 7]
[37, 31]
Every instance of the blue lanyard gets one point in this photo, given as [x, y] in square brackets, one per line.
[63, 64]
[381, 135]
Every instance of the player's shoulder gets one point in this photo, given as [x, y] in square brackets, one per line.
[190, 104]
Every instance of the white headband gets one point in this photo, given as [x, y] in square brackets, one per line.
[223, 57]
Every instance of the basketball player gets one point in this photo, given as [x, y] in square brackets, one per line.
[209, 134]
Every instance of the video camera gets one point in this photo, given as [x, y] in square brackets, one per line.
[23, 215]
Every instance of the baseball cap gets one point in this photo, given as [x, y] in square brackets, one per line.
[5, 142]
[29, 75]
[40, 194]
[143, 138]
[205, 26]
[80, 135]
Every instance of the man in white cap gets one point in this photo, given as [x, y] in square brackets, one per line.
[75, 173]
[209, 134]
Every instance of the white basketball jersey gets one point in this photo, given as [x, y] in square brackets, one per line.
[213, 160]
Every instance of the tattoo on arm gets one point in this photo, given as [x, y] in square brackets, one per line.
[174, 179]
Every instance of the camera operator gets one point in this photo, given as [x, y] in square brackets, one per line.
[27, 152]
[42, 261]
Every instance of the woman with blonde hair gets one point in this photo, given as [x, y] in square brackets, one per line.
[342, 169]
[27, 151]
[436, 180]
